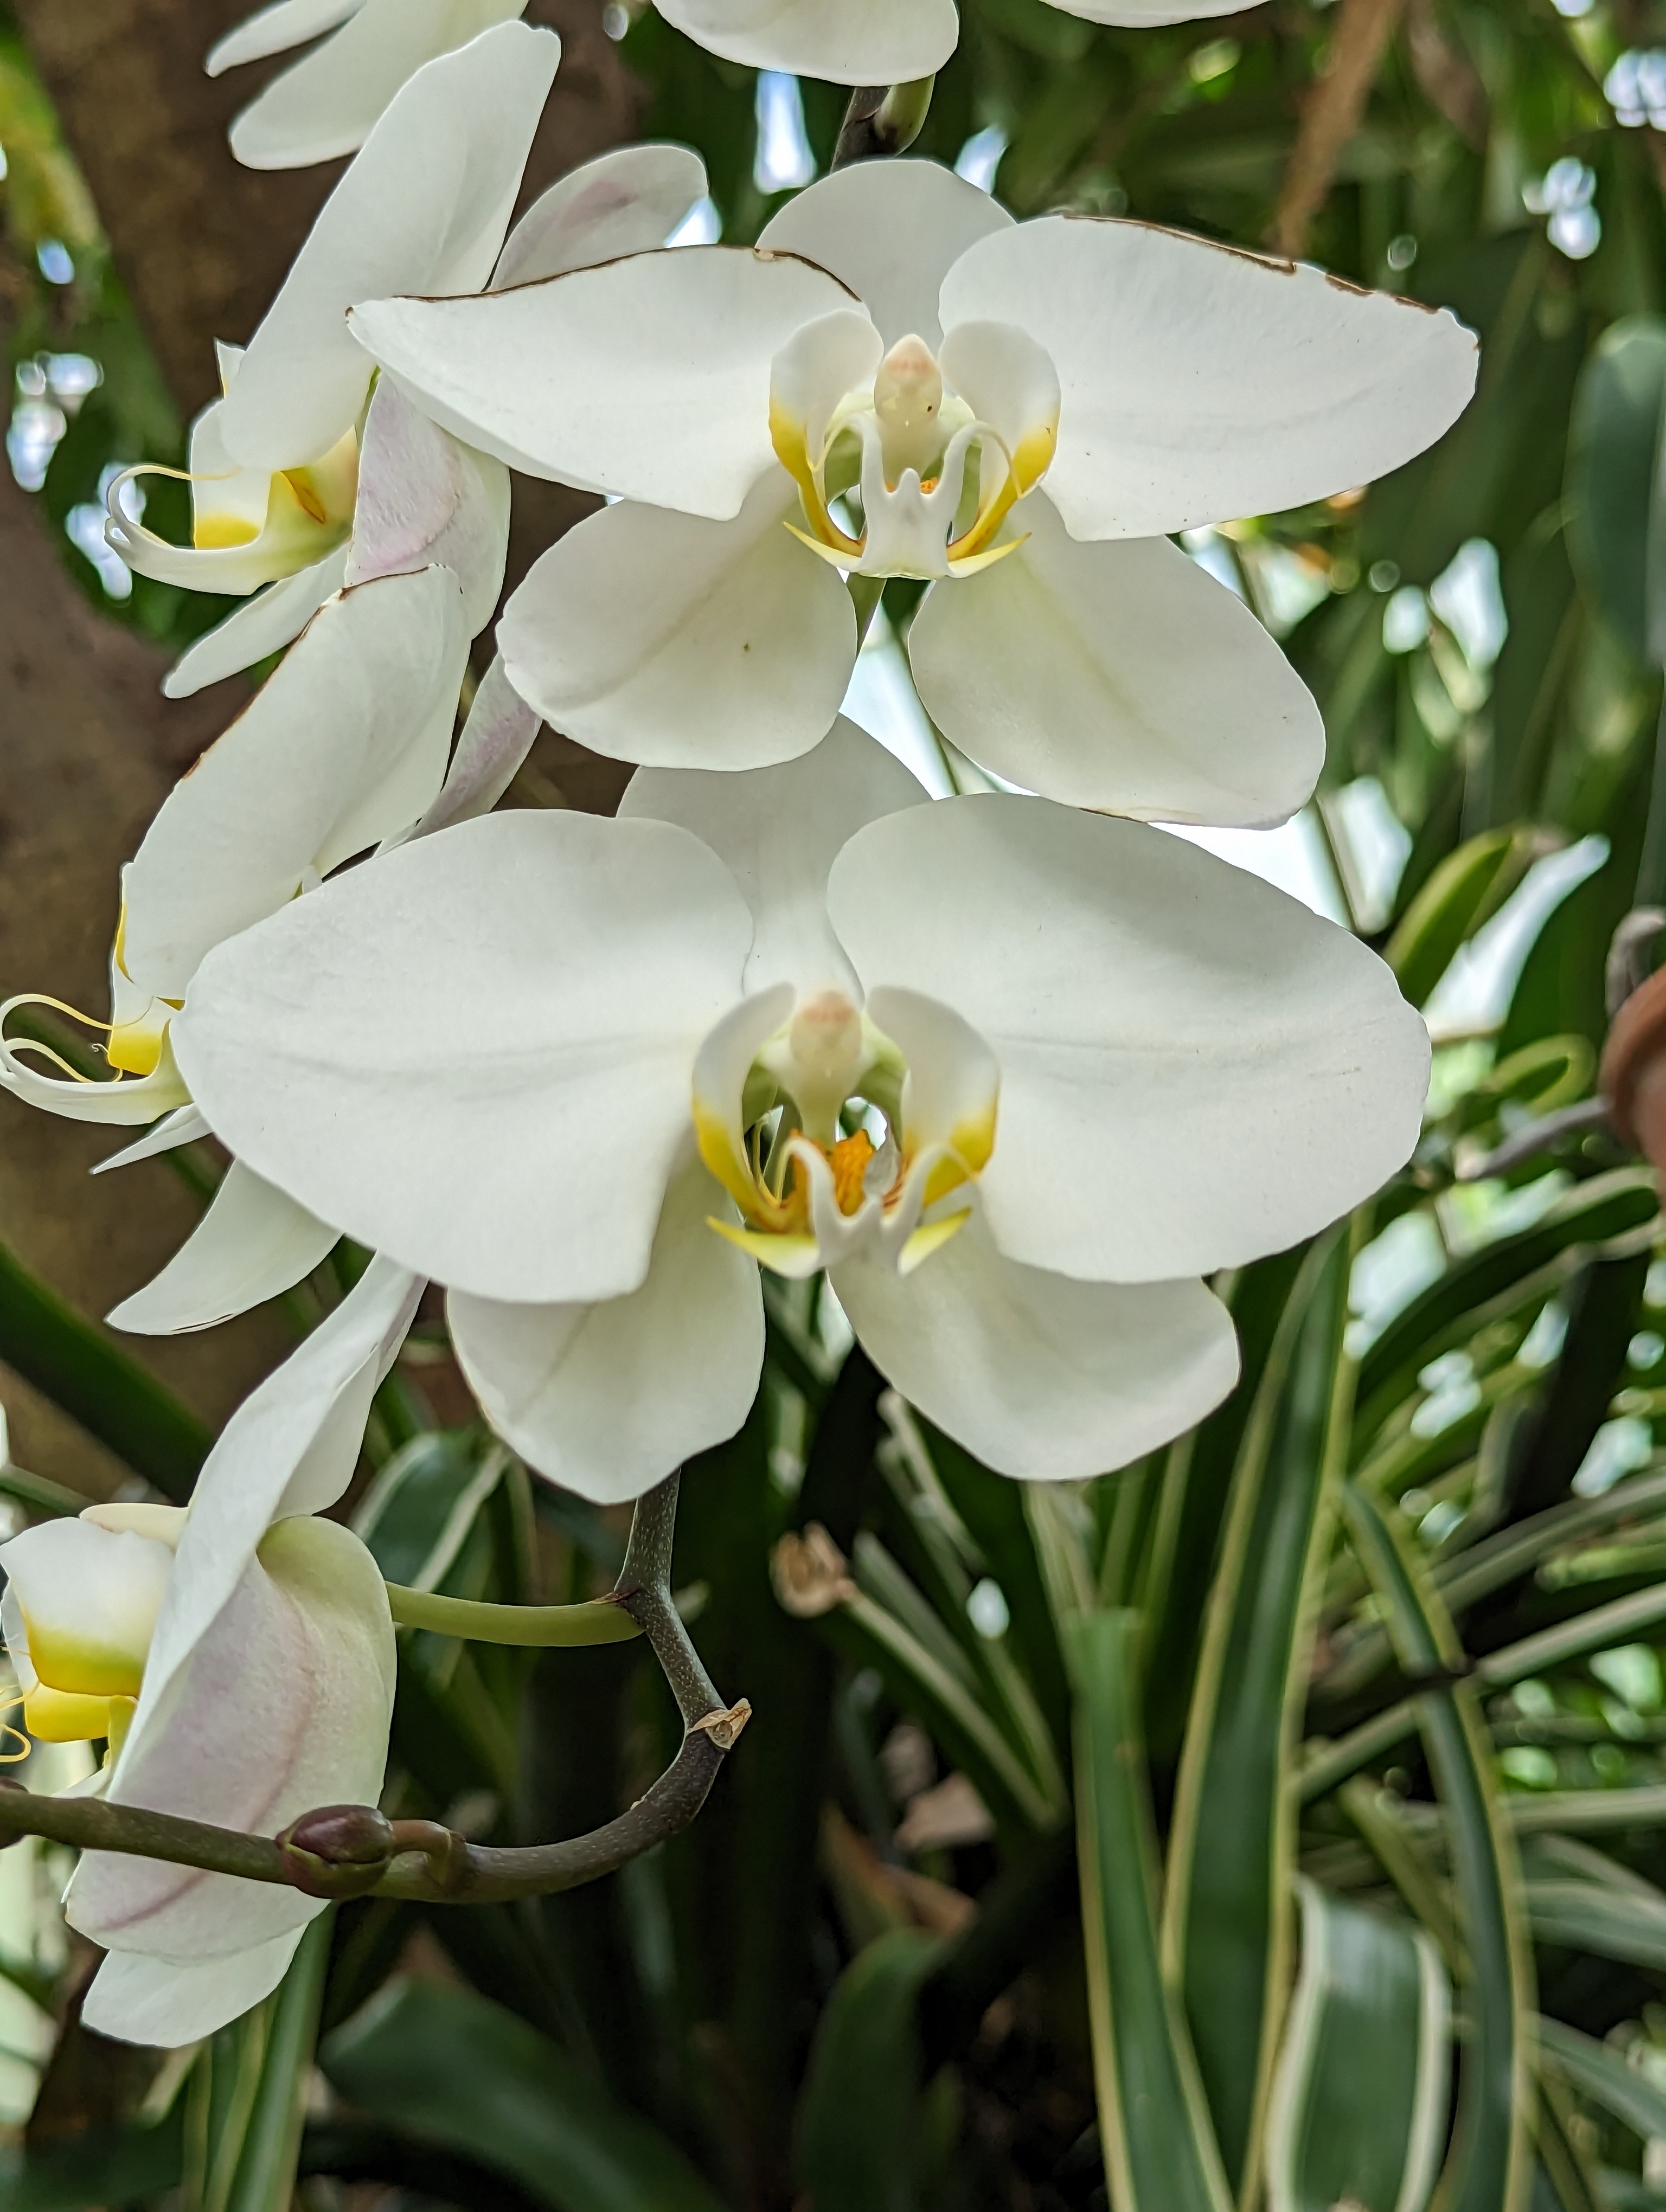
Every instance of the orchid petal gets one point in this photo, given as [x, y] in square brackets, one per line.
[265, 624]
[174, 2002]
[951, 1092]
[1037, 1376]
[1118, 676]
[843, 41]
[274, 30]
[344, 745]
[424, 500]
[608, 1399]
[122, 1103]
[1196, 1070]
[891, 231]
[423, 207]
[628, 200]
[252, 1243]
[1149, 15]
[1200, 382]
[183, 1126]
[475, 1055]
[651, 635]
[496, 739]
[89, 1598]
[328, 103]
[778, 831]
[648, 377]
[283, 1704]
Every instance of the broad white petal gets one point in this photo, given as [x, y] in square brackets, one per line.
[283, 1706]
[648, 377]
[608, 1399]
[496, 738]
[274, 618]
[1201, 382]
[424, 499]
[628, 201]
[423, 208]
[345, 744]
[1039, 1376]
[1147, 15]
[173, 2002]
[250, 1244]
[650, 635]
[328, 103]
[778, 830]
[951, 1092]
[1196, 1070]
[1117, 676]
[844, 41]
[475, 1055]
[891, 231]
[183, 1126]
[274, 30]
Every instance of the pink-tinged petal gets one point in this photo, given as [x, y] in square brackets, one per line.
[426, 500]
[628, 201]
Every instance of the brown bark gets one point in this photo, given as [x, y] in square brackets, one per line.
[1330, 117]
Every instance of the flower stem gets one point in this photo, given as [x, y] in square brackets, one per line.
[883, 119]
[605, 1621]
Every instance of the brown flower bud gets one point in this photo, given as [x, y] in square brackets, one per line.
[811, 1574]
[1633, 1075]
[338, 1851]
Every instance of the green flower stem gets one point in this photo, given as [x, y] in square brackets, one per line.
[883, 119]
[426, 1861]
[605, 1621]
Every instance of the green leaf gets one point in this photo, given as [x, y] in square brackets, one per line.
[1491, 2162]
[110, 1394]
[423, 1505]
[1600, 2072]
[1467, 887]
[1359, 2113]
[858, 2119]
[266, 2175]
[120, 2166]
[1584, 1917]
[1226, 1933]
[1159, 2150]
[1614, 443]
[447, 2067]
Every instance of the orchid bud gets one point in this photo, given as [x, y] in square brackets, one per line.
[337, 1851]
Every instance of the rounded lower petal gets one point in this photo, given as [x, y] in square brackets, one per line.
[608, 1399]
[265, 625]
[476, 1053]
[1200, 382]
[1118, 676]
[843, 41]
[425, 500]
[329, 102]
[1194, 1069]
[345, 744]
[628, 201]
[274, 30]
[423, 208]
[660, 637]
[139, 1998]
[283, 1706]
[1149, 15]
[649, 378]
[778, 831]
[252, 1243]
[891, 231]
[1039, 1376]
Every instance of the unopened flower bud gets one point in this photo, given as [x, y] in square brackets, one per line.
[811, 1574]
[338, 1851]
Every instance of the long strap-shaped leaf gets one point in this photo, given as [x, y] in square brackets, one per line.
[1159, 2148]
[1490, 2169]
[1226, 1928]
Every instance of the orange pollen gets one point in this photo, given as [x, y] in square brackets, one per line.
[848, 1160]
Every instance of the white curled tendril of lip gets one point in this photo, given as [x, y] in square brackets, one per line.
[1018, 1076]
[902, 380]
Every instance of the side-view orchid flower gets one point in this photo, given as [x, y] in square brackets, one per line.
[1016, 1077]
[237, 1657]
[294, 489]
[876, 41]
[344, 747]
[328, 102]
[900, 381]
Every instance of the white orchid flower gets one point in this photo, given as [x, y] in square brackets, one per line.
[1012, 1073]
[295, 490]
[328, 103]
[900, 381]
[343, 748]
[237, 1657]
